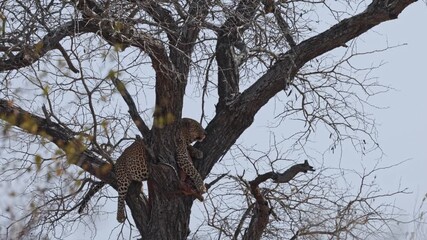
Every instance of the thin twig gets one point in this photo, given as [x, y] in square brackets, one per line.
[208, 185]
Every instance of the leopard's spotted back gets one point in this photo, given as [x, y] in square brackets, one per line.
[130, 166]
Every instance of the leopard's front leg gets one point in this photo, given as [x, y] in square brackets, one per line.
[186, 165]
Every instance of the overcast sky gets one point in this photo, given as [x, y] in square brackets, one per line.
[402, 128]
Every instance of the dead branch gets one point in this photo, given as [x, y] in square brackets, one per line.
[262, 210]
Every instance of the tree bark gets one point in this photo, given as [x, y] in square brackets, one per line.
[166, 215]
[262, 210]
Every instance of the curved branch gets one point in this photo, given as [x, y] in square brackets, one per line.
[377, 12]
[289, 174]
[67, 58]
[262, 210]
[163, 17]
[105, 29]
[115, 32]
[165, 71]
[285, 69]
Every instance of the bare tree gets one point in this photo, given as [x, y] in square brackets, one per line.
[69, 67]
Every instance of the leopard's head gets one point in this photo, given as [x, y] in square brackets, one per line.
[192, 130]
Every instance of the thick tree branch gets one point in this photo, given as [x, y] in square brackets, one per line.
[163, 17]
[169, 106]
[289, 174]
[377, 12]
[64, 138]
[139, 206]
[105, 29]
[285, 69]
[228, 37]
[230, 122]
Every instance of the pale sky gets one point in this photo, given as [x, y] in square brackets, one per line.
[402, 128]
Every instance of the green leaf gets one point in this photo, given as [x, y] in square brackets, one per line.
[38, 161]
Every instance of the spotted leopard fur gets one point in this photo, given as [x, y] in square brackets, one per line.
[190, 131]
[132, 164]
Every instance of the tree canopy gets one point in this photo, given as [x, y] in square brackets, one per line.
[82, 79]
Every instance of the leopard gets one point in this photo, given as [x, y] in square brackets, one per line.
[191, 131]
[132, 165]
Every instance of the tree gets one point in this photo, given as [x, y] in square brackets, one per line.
[68, 67]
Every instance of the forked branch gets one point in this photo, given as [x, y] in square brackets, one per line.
[262, 210]
[229, 37]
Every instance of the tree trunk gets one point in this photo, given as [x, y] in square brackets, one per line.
[166, 214]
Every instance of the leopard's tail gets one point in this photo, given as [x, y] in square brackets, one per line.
[93, 190]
